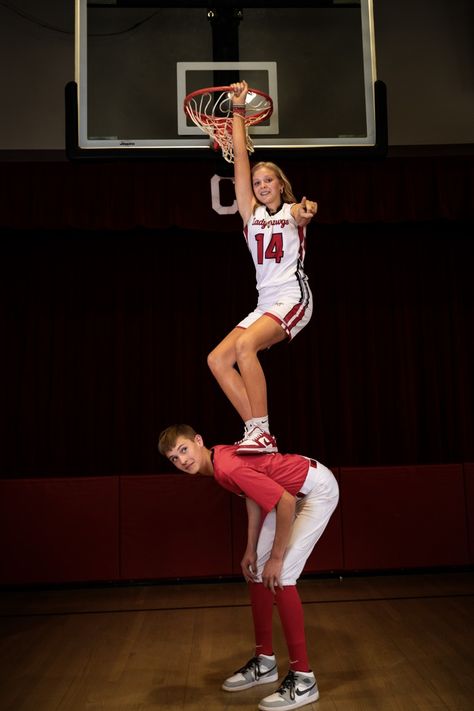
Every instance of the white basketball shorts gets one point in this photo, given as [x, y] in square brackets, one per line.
[291, 309]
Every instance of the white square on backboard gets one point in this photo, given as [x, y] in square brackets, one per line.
[269, 67]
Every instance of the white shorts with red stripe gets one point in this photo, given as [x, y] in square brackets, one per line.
[292, 308]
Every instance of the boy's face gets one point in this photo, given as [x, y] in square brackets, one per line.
[188, 454]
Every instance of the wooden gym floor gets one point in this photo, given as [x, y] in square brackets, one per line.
[379, 643]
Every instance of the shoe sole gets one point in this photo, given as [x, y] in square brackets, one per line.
[289, 707]
[264, 680]
[257, 450]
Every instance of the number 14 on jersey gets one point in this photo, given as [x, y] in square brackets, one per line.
[274, 248]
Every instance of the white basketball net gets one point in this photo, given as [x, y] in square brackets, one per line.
[212, 113]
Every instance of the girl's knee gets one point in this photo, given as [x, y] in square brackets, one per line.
[214, 361]
[219, 360]
[244, 346]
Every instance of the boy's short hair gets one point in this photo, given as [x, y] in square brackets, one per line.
[167, 438]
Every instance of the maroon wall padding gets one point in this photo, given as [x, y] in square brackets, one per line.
[58, 530]
[403, 517]
[327, 554]
[174, 526]
[469, 483]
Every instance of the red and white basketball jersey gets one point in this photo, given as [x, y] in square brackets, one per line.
[277, 245]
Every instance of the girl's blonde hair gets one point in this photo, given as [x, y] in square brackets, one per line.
[287, 193]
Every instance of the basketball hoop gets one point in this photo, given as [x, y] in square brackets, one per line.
[211, 110]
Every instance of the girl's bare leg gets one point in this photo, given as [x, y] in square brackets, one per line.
[247, 389]
[260, 335]
[221, 362]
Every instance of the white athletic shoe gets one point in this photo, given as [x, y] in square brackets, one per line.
[258, 670]
[257, 442]
[297, 689]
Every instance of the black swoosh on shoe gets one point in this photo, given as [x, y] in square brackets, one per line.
[300, 693]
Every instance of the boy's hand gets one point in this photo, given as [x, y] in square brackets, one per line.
[249, 566]
[271, 574]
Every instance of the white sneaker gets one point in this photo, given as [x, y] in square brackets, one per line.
[297, 689]
[258, 670]
[257, 442]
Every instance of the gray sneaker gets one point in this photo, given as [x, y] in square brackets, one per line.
[297, 689]
[258, 670]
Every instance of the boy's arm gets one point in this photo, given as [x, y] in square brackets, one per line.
[249, 561]
[285, 514]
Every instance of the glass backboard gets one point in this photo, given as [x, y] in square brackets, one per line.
[136, 62]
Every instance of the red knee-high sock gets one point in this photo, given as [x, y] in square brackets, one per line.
[290, 610]
[262, 611]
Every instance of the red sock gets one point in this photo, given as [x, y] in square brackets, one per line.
[262, 611]
[290, 610]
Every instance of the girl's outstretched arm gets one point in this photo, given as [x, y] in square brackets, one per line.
[242, 174]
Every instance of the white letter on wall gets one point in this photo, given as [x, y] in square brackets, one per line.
[216, 197]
